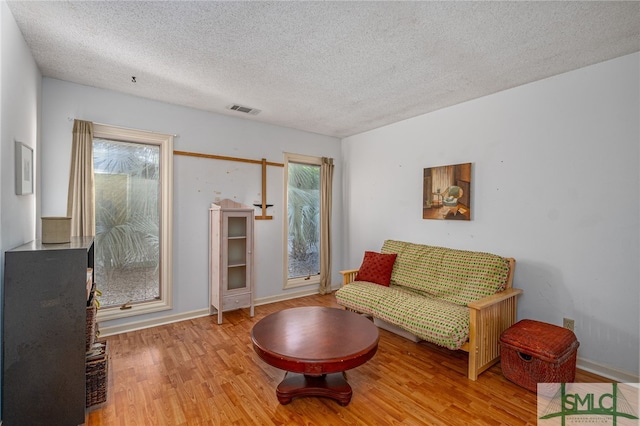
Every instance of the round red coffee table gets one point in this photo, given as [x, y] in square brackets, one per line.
[315, 345]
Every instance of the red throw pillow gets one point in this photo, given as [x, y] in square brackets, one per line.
[376, 268]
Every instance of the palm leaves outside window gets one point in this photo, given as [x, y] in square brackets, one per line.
[303, 219]
[127, 221]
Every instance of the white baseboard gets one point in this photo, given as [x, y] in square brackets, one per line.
[106, 331]
[608, 372]
[288, 296]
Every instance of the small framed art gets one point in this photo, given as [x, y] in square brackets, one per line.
[24, 169]
[447, 192]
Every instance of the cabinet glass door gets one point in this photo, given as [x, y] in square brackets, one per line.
[237, 226]
[237, 253]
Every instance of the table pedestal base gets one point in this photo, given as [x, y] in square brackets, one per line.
[332, 385]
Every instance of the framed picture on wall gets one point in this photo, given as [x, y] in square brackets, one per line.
[446, 192]
[24, 169]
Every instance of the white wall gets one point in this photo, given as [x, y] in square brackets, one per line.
[555, 185]
[20, 89]
[197, 182]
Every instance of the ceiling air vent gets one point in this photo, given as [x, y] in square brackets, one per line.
[244, 109]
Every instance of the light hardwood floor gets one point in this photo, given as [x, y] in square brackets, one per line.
[197, 372]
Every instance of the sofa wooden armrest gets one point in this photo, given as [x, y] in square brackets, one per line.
[348, 276]
[488, 318]
[496, 298]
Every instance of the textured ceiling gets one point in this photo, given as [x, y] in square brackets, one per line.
[334, 68]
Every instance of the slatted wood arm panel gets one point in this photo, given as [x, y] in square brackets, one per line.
[348, 276]
[488, 318]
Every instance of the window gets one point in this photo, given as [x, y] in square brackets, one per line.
[302, 227]
[133, 208]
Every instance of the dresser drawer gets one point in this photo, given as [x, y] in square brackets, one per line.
[236, 301]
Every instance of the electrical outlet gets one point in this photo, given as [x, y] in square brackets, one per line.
[568, 323]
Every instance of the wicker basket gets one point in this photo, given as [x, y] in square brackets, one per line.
[535, 352]
[91, 326]
[96, 374]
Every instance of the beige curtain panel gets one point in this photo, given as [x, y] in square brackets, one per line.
[81, 197]
[326, 176]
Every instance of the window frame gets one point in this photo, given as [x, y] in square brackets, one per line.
[165, 143]
[299, 281]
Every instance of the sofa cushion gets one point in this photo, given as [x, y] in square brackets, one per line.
[434, 320]
[456, 276]
[376, 268]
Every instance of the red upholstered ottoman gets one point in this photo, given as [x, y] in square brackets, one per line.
[535, 352]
